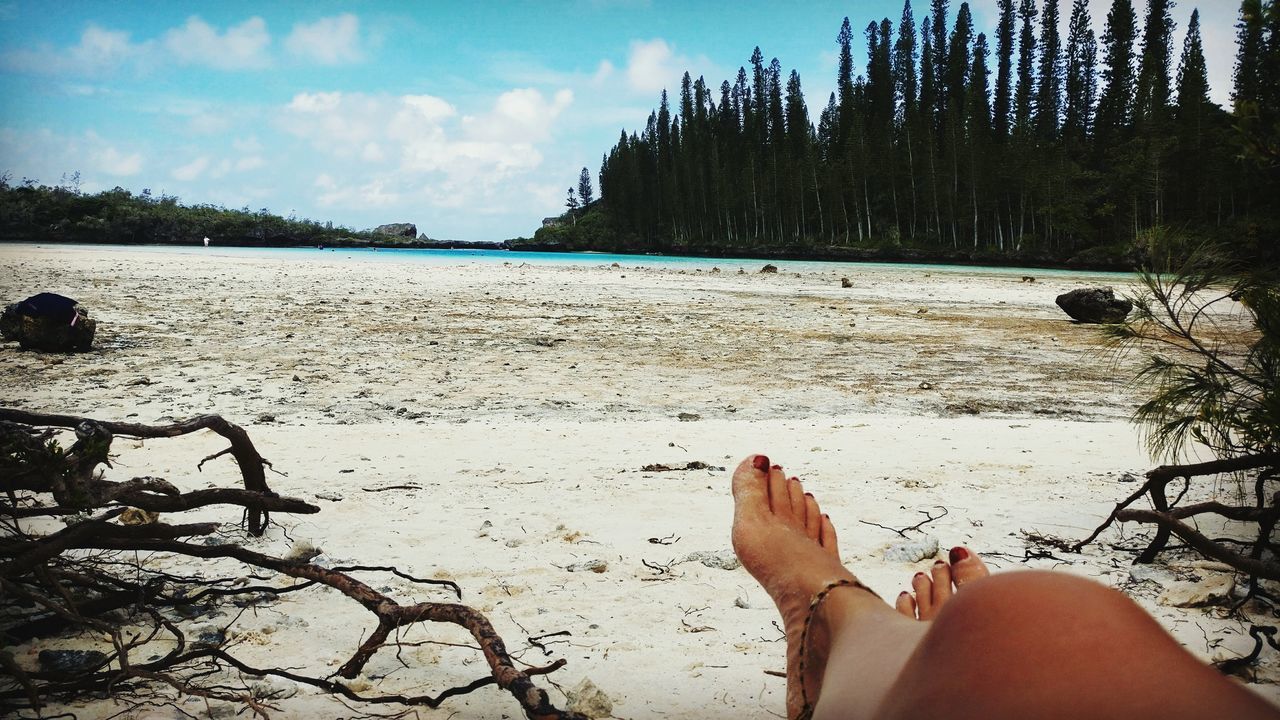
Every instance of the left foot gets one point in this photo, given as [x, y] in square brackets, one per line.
[931, 591]
[789, 546]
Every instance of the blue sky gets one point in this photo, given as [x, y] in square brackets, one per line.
[469, 119]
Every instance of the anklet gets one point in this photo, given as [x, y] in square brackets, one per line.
[806, 709]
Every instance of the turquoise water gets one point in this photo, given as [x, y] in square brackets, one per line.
[490, 257]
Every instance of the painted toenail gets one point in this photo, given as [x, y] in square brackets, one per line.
[919, 574]
[904, 593]
[808, 494]
[777, 467]
[958, 553]
[761, 462]
[939, 562]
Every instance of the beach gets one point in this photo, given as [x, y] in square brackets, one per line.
[489, 423]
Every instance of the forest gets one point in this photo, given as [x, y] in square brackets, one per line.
[63, 213]
[1021, 146]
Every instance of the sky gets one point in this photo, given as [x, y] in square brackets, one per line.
[469, 119]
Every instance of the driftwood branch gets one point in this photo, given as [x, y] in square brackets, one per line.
[83, 576]
[246, 455]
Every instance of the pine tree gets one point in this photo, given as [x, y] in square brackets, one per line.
[1004, 71]
[1249, 50]
[585, 193]
[1192, 117]
[938, 14]
[1151, 103]
[844, 70]
[1025, 92]
[1081, 84]
[904, 72]
[1049, 92]
[978, 127]
[1115, 106]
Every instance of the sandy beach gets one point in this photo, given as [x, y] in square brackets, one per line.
[517, 404]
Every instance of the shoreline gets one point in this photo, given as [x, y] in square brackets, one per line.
[850, 255]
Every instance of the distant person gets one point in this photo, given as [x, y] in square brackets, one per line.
[963, 643]
[206, 242]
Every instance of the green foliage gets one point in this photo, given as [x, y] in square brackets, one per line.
[1071, 156]
[38, 212]
[1214, 325]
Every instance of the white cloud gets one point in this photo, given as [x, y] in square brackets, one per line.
[251, 162]
[604, 72]
[99, 52]
[327, 41]
[432, 109]
[397, 149]
[315, 102]
[240, 47]
[652, 65]
[519, 115]
[191, 170]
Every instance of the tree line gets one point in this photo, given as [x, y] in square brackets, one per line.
[1019, 144]
[63, 213]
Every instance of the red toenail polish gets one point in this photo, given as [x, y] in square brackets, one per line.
[777, 467]
[808, 494]
[958, 553]
[938, 562]
[761, 462]
[795, 479]
[904, 592]
[919, 574]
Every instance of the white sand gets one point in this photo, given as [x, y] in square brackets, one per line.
[530, 397]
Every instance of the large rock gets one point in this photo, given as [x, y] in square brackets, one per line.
[1095, 305]
[408, 230]
[49, 322]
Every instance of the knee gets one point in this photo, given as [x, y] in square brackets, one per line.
[1043, 613]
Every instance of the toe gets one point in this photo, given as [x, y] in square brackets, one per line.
[798, 506]
[779, 494]
[812, 519]
[966, 566]
[750, 489]
[922, 585]
[940, 574]
[827, 537]
[906, 604]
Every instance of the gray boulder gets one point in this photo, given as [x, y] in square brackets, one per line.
[48, 322]
[408, 230]
[1095, 305]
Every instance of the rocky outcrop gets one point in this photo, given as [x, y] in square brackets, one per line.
[1095, 305]
[49, 322]
[408, 230]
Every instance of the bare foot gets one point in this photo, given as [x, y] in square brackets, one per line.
[930, 591]
[789, 546]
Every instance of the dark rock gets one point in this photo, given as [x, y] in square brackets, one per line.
[71, 661]
[1095, 305]
[408, 230]
[769, 269]
[846, 283]
[48, 322]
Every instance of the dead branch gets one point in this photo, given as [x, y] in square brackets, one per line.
[81, 577]
[246, 455]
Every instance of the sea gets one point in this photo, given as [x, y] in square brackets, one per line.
[498, 257]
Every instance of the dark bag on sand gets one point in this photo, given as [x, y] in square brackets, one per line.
[49, 305]
[48, 322]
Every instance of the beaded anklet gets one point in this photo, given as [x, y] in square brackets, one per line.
[806, 709]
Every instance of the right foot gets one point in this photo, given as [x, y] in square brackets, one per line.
[930, 591]
[789, 546]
